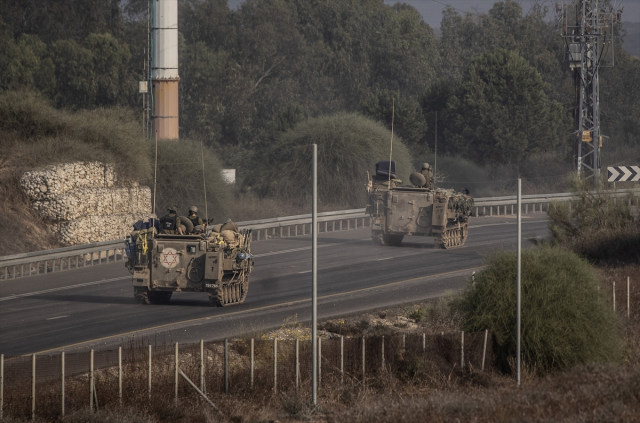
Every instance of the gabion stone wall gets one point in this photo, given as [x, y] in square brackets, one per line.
[84, 203]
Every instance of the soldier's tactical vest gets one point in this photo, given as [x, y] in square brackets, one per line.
[169, 223]
[195, 221]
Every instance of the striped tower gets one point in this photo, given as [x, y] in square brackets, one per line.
[165, 69]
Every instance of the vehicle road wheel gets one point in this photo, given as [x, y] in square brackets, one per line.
[141, 295]
[393, 240]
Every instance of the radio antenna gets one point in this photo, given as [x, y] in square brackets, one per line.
[204, 185]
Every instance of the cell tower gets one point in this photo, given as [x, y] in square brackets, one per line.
[587, 28]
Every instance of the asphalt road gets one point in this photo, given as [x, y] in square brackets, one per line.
[94, 306]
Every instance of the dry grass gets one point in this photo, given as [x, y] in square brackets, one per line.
[410, 389]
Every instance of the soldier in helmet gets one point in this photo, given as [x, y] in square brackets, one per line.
[170, 223]
[428, 174]
[198, 224]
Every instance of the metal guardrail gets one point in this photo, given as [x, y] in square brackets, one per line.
[39, 262]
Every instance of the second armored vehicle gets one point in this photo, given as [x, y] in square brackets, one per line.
[397, 211]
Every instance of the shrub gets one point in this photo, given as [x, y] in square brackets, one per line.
[565, 319]
[597, 226]
[349, 145]
[180, 179]
[35, 134]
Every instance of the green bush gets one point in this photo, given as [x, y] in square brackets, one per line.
[35, 134]
[180, 180]
[349, 145]
[597, 226]
[565, 318]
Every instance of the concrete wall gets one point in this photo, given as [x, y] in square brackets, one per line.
[82, 202]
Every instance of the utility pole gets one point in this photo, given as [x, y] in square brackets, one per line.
[587, 28]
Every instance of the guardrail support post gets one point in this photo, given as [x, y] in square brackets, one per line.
[252, 362]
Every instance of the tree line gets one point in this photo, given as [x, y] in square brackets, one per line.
[497, 82]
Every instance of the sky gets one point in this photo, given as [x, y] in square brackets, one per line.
[431, 10]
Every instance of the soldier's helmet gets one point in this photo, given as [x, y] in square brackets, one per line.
[173, 208]
[425, 166]
[193, 209]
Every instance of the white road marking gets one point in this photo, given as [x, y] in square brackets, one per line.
[54, 318]
[62, 288]
[386, 258]
[306, 271]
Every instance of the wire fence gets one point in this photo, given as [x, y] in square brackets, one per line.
[48, 386]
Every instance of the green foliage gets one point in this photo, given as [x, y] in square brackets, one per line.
[597, 226]
[180, 180]
[349, 145]
[24, 63]
[501, 112]
[91, 74]
[405, 112]
[566, 320]
[36, 134]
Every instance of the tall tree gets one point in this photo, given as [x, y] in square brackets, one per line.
[500, 113]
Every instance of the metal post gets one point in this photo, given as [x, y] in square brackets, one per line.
[297, 363]
[275, 365]
[424, 343]
[91, 381]
[149, 372]
[614, 296]
[33, 386]
[518, 280]
[628, 299]
[382, 367]
[176, 368]
[404, 343]
[226, 366]
[2, 386]
[319, 362]
[120, 375]
[363, 358]
[202, 387]
[462, 351]
[252, 362]
[61, 386]
[314, 278]
[484, 348]
[341, 359]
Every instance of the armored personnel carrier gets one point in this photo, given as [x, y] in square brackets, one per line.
[417, 209]
[217, 262]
